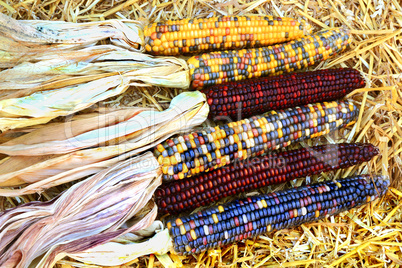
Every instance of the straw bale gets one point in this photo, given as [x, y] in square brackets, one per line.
[369, 236]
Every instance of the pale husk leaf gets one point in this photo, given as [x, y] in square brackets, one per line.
[22, 41]
[89, 213]
[41, 106]
[57, 70]
[115, 253]
[145, 130]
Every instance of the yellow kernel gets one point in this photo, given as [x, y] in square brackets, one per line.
[165, 169]
[182, 230]
[193, 235]
[185, 168]
[317, 213]
[215, 218]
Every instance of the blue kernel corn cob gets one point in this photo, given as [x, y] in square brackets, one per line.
[187, 155]
[248, 218]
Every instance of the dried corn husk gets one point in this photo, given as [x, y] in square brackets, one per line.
[60, 70]
[88, 214]
[136, 134]
[42, 106]
[123, 250]
[23, 41]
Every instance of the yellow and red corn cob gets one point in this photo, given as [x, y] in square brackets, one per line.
[227, 66]
[215, 147]
[256, 215]
[177, 37]
[201, 190]
[245, 98]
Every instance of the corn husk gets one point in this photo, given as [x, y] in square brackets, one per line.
[124, 250]
[88, 214]
[41, 106]
[41, 168]
[69, 68]
[25, 41]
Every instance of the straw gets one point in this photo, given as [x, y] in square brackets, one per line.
[346, 240]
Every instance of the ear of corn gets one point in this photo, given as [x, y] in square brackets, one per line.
[215, 147]
[177, 37]
[227, 66]
[245, 98]
[256, 215]
[203, 189]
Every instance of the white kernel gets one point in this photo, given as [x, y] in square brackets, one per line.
[304, 211]
[231, 139]
[245, 219]
[252, 142]
[248, 143]
[271, 126]
[184, 146]
[206, 230]
[204, 149]
[178, 157]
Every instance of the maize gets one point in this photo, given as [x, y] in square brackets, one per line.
[241, 99]
[215, 147]
[177, 37]
[201, 190]
[227, 66]
[250, 217]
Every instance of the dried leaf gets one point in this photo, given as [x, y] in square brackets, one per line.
[113, 253]
[138, 133]
[88, 214]
[22, 41]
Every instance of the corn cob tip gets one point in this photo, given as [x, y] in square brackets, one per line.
[307, 28]
[381, 182]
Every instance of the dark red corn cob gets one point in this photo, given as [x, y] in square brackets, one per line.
[243, 99]
[243, 176]
[250, 217]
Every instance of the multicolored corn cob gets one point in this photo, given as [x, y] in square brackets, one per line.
[243, 99]
[201, 190]
[177, 37]
[247, 218]
[215, 147]
[227, 66]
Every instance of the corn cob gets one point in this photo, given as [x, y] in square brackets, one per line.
[176, 37]
[227, 66]
[259, 95]
[201, 190]
[214, 147]
[250, 217]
